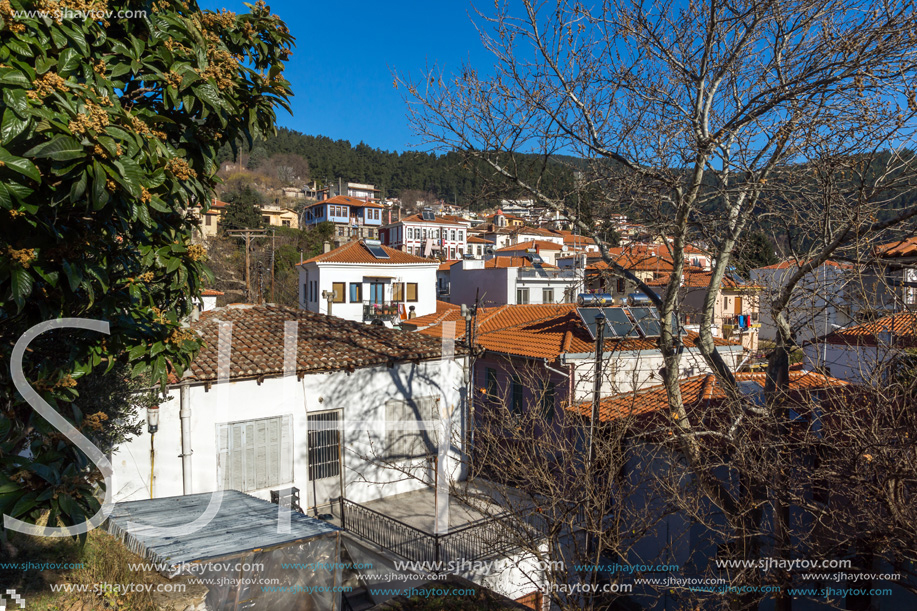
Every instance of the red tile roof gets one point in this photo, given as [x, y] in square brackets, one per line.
[570, 238]
[793, 263]
[899, 248]
[473, 239]
[701, 279]
[439, 220]
[532, 244]
[447, 265]
[504, 262]
[356, 252]
[346, 200]
[326, 343]
[695, 391]
[538, 331]
[901, 326]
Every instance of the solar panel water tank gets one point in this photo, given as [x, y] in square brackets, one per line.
[375, 249]
[594, 299]
[647, 320]
[428, 215]
[617, 324]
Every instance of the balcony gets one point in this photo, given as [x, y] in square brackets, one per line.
[380, 310]
[403, 524]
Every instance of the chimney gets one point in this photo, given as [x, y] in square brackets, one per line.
[327, 247]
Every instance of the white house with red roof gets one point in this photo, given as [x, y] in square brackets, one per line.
[859, 353]
[365, 281]
[819, 305]
[548, 250]
[428, 235]
[352, 217]
[511, 279]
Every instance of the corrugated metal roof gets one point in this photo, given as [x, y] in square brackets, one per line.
[243, 523]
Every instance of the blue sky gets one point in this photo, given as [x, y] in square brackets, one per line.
[341, 69]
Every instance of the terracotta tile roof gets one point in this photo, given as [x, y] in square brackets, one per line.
[346, 200]
[326, 343]
[901, 326]
[533, 244]
[570, 238]
[695, 391]
[473, 239]
[793, 263]
[439, 220]
[538, 331]
[447, 265]
[211, 293]
[503, 262]
[898, 248]
[701, 279]
[529, 230]
[356, 252]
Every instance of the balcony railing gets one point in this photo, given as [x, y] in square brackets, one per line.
[471, 542]
[380, 310]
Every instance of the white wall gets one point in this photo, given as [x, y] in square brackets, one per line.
[633, 370]
[818, 306]
[852, 363]
[424, 275]
[361, 396]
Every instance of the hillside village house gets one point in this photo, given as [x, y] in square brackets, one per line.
[860, 353]
[364, 281]
[554, 343]
[889, 282]
[479, 247]
[331, 413]
[263, 433]
[353, 218]
[548, 250]
[272, 215]
[735, 312]
[820, 304]
[428, 235]
[511, 280]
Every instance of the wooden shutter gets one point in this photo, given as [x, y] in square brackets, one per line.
[262, 455]
[223, 466]
[286, 449]
[237, 458]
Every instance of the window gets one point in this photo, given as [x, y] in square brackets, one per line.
[490, 382]
[255, 454]
[622, 285]
[338, 289]
[516, 395]
[424, 234]
[412, 291]
[266, 219]
[452, 235]
[479, 251]
[356, 292]
[410, 233]
[285, 223]
[369, 232]
[340, 232]
[324, 446]
[460, 235]
[398, 291]
[452, 252]
[405, 436]
[208, 219]
[522, 296]
[547, 296]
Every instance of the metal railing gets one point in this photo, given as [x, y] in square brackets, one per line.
[380, 310]
[471, 542]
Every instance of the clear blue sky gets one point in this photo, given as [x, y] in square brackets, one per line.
[346, 50]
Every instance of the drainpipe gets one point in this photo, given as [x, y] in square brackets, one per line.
[185, 416]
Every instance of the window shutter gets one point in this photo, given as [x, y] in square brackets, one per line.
[248, 438]
[262, 458]
[223, 455]
[286, 449]
[237, 458]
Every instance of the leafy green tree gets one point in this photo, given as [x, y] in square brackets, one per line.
[243, 211]
[108, 129]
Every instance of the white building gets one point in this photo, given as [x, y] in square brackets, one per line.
[428, 235]
[511, 280]
[859, 353]
[819, 304]
[548, 250]
[364, 281]
[263, 430]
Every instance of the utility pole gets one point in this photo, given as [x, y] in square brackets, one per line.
[273, 235]
[248, 235]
